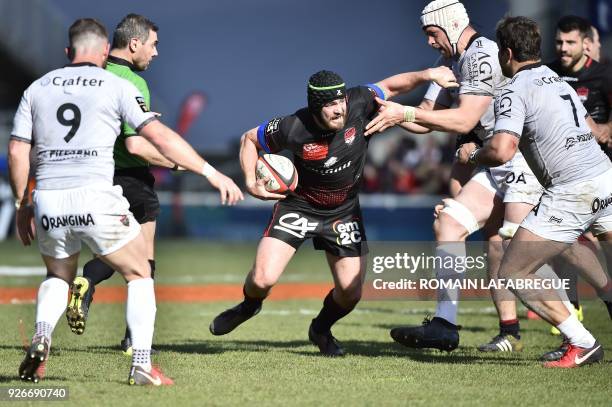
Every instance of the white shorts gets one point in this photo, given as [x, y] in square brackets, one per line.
[99, 215]
[567, 211]
[513, 181]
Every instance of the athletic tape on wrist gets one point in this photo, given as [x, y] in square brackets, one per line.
[208, 170]
[409, 114]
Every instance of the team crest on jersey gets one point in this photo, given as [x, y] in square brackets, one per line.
[349, 135]
[583, 93]
[141, 102]
[315, 151]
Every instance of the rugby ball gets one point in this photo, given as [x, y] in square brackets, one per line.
[279, 171]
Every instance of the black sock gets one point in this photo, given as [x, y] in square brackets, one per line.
[330, 313]
[250, 304]
[152, 264]
[97, 271]
[510, 327]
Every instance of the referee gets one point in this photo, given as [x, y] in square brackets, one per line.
[134, 47]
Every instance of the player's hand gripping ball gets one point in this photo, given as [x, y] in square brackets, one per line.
[279, 171]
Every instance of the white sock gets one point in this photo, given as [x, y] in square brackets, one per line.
[140, 315]
[50, 305]
[448, 299]
[576, 332]
[548, 273]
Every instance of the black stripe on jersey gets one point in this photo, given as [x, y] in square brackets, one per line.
[25, 140]
[149, 120]
[507, 131]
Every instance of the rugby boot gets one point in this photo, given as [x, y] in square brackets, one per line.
[229, 319]
[576, 356]
[140, 377]
[34, 363]
[327, 344]
[435, 333]
[556, 354]
[502, 343]
[81, 295]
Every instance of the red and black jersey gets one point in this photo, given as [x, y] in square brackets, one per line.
[329, 165]
[593, 84]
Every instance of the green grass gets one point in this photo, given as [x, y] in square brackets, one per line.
[269, 360]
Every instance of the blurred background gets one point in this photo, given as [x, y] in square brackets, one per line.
[242, 62]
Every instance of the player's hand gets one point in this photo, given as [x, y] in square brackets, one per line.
[24, 218]
[228, 190]
[438, 208]
[463, 153]
[443, 76]
[258, 190]
[389, 114]
[603, 134]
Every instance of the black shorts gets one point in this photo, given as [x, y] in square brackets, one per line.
[137, 184]
[338, 231]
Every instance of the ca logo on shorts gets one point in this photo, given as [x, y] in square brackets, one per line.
[295, 225]
[348, 232]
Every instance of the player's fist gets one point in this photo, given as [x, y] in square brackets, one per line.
[464, 151]
[228, 190]
[443, 76]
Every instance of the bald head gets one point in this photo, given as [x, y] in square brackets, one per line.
[88, 41]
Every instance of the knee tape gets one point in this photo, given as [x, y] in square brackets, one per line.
[508, 230]
[461, 214]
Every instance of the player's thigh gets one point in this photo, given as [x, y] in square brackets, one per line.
[468, 211]
[527, 252]
[129, 260]
[515, 212]
[54, 212]
[605, 239]
[271, 259]
[478, 198]
[64, 269]
[348, 272]
[148, 232]
[459, 176]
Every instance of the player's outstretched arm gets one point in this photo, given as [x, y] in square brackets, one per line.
[417, 128]
[499, 150]
[176, 149]
[141, 147]
[405, 82]
[249, 147]
[19, 169]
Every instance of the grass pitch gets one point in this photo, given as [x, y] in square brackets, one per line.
[269, 360]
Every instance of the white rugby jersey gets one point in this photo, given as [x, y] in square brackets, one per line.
[478, 73]
[546, 114]
[72, 116]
